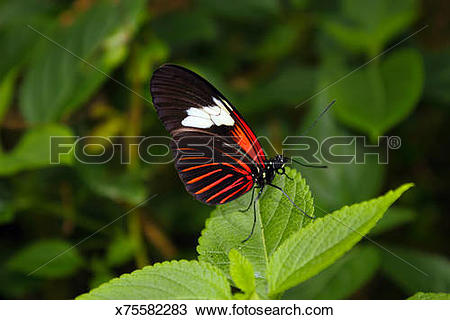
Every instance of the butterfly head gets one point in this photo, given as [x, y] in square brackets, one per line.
[277, 164]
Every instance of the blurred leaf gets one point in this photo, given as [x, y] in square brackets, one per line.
[16, 285]
[117, 185]
[120, 250]
[379, 96]
[17, 39]
[169, 280]
[57, 82]
[153, 51]
[101, 271]
[242, 10]
[341, 183]
[341, 279]
[21, 11]
[7, 208]
[47, 259]
[370, 25]
[288, 88]
[437, 269]
[185, 28]
[6, 91]
[277, 220]
[430, 296]
[315, 247]
[33, 150]
[299, 4]
[241, 271]
[278, 42]
[437, 71]
[396, 216]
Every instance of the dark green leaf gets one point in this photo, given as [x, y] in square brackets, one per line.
[377, 97]
[369, 25]
[341, 279]
[433, 274]
[341, 183]
[396, 216]
[33, 150]
[47, 259]
[242, 10]
[437, 71]
[58, 82]
[117, 185]
[120, 250]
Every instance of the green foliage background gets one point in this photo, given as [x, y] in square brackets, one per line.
[268, 57]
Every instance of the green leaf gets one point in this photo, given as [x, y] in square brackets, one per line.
[117, 185]
[120, 250]
[286, 88]
[369, 25]
[6, 91]
[397, 216]
[21, 41]
[341, 279]
[430, 296]
[168, 280]
[319, 244]
[379, 96]
[101, 273]
[195, 27]
[33, 150]
[243, 10]
[8, 205]
[435, 267]
[47, 259]
[57, 82]
[277, 219]
[241, 271]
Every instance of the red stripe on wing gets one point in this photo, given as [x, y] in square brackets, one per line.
[248, 185]
[200, 166]
[213, 184]
[203, 176]
[247, 140]
[234, 184]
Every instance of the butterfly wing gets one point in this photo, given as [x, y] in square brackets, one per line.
[216, 153]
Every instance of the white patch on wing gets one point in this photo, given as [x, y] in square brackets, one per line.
[205, 117]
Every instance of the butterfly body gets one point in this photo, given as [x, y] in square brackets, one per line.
[273, 166]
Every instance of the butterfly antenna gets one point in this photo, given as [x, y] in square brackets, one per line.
[309, 165]
[320, 116]
[309, 129]
[289, 198]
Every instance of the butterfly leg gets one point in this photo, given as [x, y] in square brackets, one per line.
[290, 200]
[251, 201]
[254, 214]
[288, 176]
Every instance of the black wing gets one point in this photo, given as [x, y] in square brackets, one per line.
[216, 153]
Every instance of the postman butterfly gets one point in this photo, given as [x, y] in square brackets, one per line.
[217, 155]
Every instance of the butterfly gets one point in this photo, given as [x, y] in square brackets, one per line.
[217, 154]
